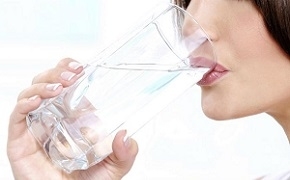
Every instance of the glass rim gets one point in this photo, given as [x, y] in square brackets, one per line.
[161, 9]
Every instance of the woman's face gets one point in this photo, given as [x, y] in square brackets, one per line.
[255, 73]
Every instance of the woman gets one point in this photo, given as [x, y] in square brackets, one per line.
[251, 38]
[252, 42]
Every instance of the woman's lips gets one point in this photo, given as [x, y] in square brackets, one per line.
[213, 75]
[215, 72]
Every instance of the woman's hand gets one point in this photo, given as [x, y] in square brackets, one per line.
[27, 158]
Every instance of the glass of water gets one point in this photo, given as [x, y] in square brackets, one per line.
[124, 87]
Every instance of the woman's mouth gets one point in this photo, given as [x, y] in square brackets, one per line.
[216, 71]
[213, 75]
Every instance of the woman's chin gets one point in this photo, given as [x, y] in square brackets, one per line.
[216, 118]
[217, 115]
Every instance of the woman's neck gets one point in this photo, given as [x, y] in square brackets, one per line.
[282, 116]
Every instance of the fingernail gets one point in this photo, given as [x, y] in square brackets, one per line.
[74, 65]
[52, 87]
[81, 74]
[67, 75]
[33, 98]
[127, 139]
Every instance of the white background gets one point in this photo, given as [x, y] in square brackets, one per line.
[181, 143]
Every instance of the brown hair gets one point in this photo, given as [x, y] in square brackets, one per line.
[276, 15]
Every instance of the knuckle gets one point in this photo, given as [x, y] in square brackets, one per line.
[64, 62]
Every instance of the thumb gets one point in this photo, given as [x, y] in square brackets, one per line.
[124, 153]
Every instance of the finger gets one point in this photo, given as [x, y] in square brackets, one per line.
[43, 90]
[29, 100]
[17, 125]
[125, 151]
[66, 72]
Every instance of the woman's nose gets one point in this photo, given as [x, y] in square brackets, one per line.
[200, 18]
[193, 34]
[197, 41]
[189, 26]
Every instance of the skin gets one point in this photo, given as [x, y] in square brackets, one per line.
[258, 70]
[256, 82]
[25, 159]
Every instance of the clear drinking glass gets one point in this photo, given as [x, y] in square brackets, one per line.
[124, 87]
